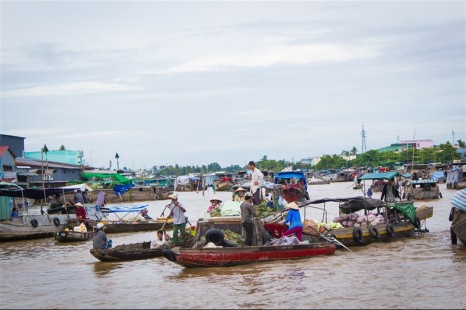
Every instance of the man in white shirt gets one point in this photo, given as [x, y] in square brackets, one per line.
[159, 241]
[256, 181]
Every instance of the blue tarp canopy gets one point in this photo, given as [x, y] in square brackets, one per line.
[379, 176]
[459, 200]
[114, 209]
[290, 175]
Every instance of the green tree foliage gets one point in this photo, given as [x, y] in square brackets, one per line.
[62, 148]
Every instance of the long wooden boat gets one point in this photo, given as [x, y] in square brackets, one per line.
[134, 251]
[401, 219]
[226, 257]
[73, 236]
[125, 252]
[228, 253]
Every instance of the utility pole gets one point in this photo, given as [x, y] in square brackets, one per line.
[363, 146]
[118, 164]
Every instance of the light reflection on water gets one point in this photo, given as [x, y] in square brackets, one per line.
[424, 271]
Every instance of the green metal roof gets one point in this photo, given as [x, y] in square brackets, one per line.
[379, 176]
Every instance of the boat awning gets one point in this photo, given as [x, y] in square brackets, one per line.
[379, 176]
[352, 203]
[114, 209]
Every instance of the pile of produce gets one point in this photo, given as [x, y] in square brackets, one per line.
[216, 212]
[315, 228]
[263, 210]
[356, 220]
[232, 236]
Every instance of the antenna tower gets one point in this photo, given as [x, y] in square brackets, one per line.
[363, 135]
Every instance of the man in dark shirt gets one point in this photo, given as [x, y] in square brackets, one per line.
[99, 242]
[247, 217]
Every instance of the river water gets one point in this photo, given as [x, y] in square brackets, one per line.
[424, 271]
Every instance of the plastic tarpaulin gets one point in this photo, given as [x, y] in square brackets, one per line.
[113, 209]
[407, 210]
[459, 200]
[82, 187]
[231, 208]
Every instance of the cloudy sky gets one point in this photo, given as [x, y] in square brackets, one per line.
[196, 82]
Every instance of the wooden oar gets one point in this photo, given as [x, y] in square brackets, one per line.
[163, 212]
[330, 239]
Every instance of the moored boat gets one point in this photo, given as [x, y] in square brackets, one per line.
[73, 236]
[458, 217]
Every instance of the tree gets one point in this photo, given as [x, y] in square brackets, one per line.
[461, 143]
[62, 148]
[118, 164]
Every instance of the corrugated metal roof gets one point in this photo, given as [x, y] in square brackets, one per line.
[22, 161]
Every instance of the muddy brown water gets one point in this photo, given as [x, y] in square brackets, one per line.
[424, 271]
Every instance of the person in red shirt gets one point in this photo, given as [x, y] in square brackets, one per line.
[81, 213]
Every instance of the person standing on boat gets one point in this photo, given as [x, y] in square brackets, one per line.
[390, 192]
[179, 219]
[247, 217]
[78, 197]
[294, 219]
[56, 201]
[256, 181]
[101, 200]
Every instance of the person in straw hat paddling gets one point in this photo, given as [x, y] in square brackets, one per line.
[179, 219]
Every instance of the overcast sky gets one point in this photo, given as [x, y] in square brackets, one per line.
[191, 83]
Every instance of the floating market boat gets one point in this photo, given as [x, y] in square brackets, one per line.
[212, 250]
[134, 251]
[458, 217]
[379, 221]
[30, 226]
[125, 252]
[73, 236]
[293, 185]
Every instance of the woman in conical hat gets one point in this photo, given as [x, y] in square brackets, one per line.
[239, 194]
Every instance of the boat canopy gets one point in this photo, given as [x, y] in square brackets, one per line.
[114, 209]
[352, 203]
[379, 176]
[34, 193]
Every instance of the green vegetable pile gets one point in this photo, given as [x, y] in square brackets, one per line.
[232, 236]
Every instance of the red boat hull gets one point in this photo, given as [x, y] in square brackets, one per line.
[232, 256]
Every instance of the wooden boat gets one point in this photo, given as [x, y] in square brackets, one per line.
[422, 189]
[292, 185]
[134, 251]
[125, 252]
[225, 257]
[456, 178]
[401, 219]
[31, 226]
[226, 254]
[458, 217]
[73, 236]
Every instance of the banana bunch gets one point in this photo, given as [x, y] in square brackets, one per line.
[230, 235]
